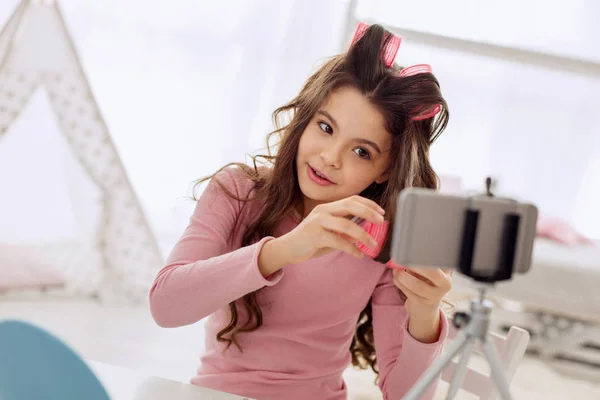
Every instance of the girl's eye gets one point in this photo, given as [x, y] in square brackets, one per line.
[362, 153]
[325, 128]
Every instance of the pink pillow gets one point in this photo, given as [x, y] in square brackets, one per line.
[559, 231]
[22, 268]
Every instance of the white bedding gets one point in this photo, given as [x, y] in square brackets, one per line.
[563, 279]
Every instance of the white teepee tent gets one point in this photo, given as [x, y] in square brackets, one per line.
[119, 259]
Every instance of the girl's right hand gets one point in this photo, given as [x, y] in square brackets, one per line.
[327, 228]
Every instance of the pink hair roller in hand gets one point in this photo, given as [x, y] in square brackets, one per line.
[377, 232]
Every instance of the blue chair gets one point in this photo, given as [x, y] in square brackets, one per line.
[36, 365]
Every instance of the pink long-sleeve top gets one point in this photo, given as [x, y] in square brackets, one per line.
[310, 310]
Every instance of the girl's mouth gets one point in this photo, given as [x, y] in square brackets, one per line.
[318, 177]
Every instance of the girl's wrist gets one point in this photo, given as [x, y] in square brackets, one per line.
[425, 326]
[424, 312]
[272, 257]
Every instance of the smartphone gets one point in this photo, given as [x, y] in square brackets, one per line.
[485, 237]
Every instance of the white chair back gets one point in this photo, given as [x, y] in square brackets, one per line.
[511, 349]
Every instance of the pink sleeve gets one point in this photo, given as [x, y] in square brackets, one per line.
[200, 276]
[400, 357]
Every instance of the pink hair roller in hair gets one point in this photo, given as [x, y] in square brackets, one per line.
[389, 52]
[390, 49]
[416, 69]
[377, 232]
[432, 112]
[421, 69]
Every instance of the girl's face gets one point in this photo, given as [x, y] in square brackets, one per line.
[343, 150]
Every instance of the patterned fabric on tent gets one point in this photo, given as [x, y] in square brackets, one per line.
[118, 257]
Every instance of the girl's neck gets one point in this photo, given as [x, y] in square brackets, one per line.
[305, 206]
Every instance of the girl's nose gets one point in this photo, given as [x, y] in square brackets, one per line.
[332, 157]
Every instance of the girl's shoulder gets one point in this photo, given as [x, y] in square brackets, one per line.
[240, 181]
[237, 186]
[235, 189]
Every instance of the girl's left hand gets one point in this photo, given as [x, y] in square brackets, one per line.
[424, 288]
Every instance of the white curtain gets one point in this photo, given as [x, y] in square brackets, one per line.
[189, 86]
[184, 87]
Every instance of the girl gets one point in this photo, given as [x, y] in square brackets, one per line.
[271, 255]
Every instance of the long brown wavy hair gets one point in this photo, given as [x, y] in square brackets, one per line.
[398, 99]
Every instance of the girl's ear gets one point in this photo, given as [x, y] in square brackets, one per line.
[385, 175]
[382, 178]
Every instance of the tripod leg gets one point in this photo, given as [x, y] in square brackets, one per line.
[461, 369]
[498, 375]
[432, 373]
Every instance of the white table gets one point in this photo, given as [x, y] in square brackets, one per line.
[126, 384]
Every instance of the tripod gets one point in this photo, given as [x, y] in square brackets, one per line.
[475, 329]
